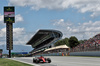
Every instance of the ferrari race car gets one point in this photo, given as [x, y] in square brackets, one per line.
[41, 60]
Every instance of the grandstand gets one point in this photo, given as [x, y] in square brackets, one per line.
[93, 44]
[58, 50]
[43, 40]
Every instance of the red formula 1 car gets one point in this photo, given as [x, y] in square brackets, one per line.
[41, 59]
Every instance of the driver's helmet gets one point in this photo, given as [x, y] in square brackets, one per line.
[41, 56]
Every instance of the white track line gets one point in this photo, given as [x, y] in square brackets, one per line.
[24, 62]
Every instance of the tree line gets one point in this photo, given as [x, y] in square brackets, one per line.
[70, 42]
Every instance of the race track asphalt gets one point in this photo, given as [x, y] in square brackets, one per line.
[63, 61]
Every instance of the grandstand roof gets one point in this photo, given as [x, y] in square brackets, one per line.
[57, 47]
[44, 37]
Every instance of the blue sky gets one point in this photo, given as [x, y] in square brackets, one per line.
[71, 17]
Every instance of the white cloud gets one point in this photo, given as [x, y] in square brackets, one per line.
[2, 36]
[18, 18]
[61, 23]
[82, 5]
[18, 2]
[1, 19]
[20, 36]
[85, 30]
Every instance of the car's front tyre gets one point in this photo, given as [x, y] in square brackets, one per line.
[37, 61]
[49, 60]
[34, 60]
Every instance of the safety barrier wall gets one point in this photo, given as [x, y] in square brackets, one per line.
[87, 53]
[54, 54]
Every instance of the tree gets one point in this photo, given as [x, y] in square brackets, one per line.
[62, 42]
[58, 43]
[82, 41]
[73, 41]
[66, 41]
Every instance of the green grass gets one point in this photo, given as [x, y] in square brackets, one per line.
[8, 62]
